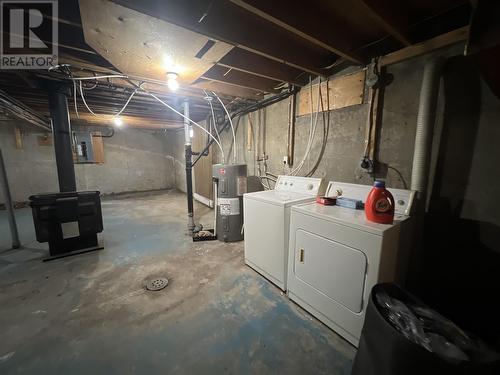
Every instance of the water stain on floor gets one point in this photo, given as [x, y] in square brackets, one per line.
[92, 314]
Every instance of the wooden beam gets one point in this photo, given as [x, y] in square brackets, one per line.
[155, 86]
[21, 110]
[252, 63]
[337, 92]
[339, 47]
[228, 89]
[441, 41]
[225, 21]
[19, 138]
[386, 15]
[239, 78]
[128, 121]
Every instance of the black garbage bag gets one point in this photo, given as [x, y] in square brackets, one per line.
[401, 335]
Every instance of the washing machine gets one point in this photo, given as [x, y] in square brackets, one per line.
[266, 218]
[336, 256]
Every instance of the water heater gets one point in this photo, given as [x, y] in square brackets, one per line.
[231, 183]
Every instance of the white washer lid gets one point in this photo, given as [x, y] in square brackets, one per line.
[279, 197]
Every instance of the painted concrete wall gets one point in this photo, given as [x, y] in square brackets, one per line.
[345, 141]
[483, 185]
[175, 146]
[396, 142]
[135, 160]
[345, 144]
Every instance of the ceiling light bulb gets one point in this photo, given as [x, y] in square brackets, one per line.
[118, 121]
[172, 82]
[168, 61]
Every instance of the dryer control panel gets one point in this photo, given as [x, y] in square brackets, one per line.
[303, 185]
[402, 198]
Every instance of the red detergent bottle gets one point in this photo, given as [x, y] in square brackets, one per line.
[379, 205]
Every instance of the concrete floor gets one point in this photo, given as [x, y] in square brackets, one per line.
[90, 314]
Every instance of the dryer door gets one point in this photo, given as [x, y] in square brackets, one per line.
[334, 270]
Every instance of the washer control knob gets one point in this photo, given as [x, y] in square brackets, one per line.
[310, 186]
[401, 202]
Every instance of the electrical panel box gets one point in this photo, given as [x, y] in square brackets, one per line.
[83, 147]
[88, 147]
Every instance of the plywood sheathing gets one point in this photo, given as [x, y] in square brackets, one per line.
[343, 91]
[141, 45]
[228, 89]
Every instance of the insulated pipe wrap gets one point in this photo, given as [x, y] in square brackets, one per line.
[425, 124]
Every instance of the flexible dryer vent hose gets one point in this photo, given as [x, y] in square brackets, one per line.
[425, 125]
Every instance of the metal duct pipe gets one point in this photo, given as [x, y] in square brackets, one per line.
[4, 182]
[62, 139]
[425, 125]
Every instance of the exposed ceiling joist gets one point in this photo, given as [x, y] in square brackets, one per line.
[228, 22]
[129, 121]
[228, 89]
[249, 62]
[443, 40]
[242, 79]
[383, 12]
[156, 86]
[330, 42]
[23, 111]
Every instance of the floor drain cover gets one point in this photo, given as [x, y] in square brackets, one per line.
[157, 284]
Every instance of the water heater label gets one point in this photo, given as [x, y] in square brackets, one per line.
[229, 206]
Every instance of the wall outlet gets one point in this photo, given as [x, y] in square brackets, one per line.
[285, 160]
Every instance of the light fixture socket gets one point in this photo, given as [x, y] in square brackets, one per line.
[172, 75]
[117, 121]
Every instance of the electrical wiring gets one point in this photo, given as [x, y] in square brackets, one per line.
[96, 83]
[400, 175]
[74, 100]
[251, 108]
[183, 116]
[263, 178]
[271, 177]
[79, 86]
[230, 122]
[128, 101]
[312, 131]
[370, 123]
[297, 168]
[252, 133]
[326, 131]
[79, 80]
[84, 101]
[118, 113]
[98, 77]
[232, 146]
[208, 98]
